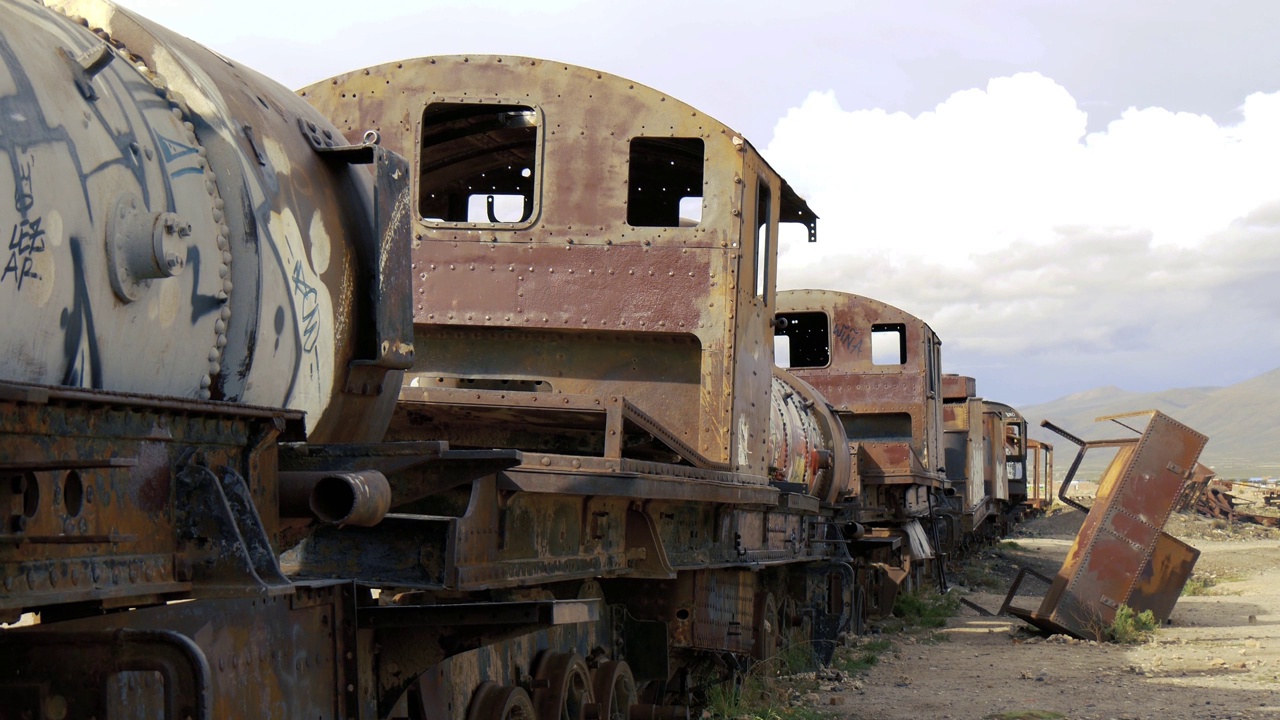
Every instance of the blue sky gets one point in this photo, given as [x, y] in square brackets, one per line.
[1073, 194]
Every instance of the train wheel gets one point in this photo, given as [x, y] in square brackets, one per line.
[500, 702]
[795, 630]
[564, 687]
[615, 690]
[768, 627]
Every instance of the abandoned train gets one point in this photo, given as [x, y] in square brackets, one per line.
[477, 416]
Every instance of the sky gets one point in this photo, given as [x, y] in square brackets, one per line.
[1072, 193]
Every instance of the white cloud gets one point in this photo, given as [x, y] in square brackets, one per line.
[1012, 163]
[1050, 260]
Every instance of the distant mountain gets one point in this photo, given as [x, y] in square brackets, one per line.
[1241, 420]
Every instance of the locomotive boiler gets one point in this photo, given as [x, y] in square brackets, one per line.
[184, 227]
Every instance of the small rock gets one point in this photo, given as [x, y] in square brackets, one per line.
[835, 700]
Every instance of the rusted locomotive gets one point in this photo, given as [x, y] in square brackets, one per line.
[937, 468]
[476, 417]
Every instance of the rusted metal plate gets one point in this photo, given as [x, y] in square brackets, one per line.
[723, 607]
[1121, 556]
[958, 387]
[118, 523]
[1159, 582]
[288, 649]
[964, 451]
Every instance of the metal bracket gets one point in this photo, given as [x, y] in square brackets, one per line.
[333, 146]
[220, 512]
[387, 264]
[87, 65]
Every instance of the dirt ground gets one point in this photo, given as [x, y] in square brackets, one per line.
[1218, 658]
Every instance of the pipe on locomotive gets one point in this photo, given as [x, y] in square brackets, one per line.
[360, 498]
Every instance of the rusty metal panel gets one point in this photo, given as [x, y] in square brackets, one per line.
[966, 455]
[993, 453]
[107, 508]
[1159, 583]
[958, 387]
[723, 608]
[575, 272]
[288, 649]
[1121, 556]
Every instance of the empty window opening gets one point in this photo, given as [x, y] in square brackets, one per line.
[888, 344]
[806, 337]
[782, 351]
[479, 163]
[664, 182]
[764, 238]
[497, 208]
[690, 211]
[1013, 443]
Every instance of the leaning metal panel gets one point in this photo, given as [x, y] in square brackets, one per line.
[1121, 556]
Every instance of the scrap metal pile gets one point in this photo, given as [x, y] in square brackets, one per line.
[1218, 499]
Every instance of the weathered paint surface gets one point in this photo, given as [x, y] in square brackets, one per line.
[150, 180]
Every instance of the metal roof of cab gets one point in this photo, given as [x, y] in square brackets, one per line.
[588, 108]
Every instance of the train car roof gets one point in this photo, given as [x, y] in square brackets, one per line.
[629, 103]
[830, 298]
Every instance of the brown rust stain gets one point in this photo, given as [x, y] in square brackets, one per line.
[570, 287]
[152, 477]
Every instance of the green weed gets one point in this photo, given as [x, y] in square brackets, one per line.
[1129, 627]
[757, 697]
[1199, 584]
[924, 608]
[859, 659]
